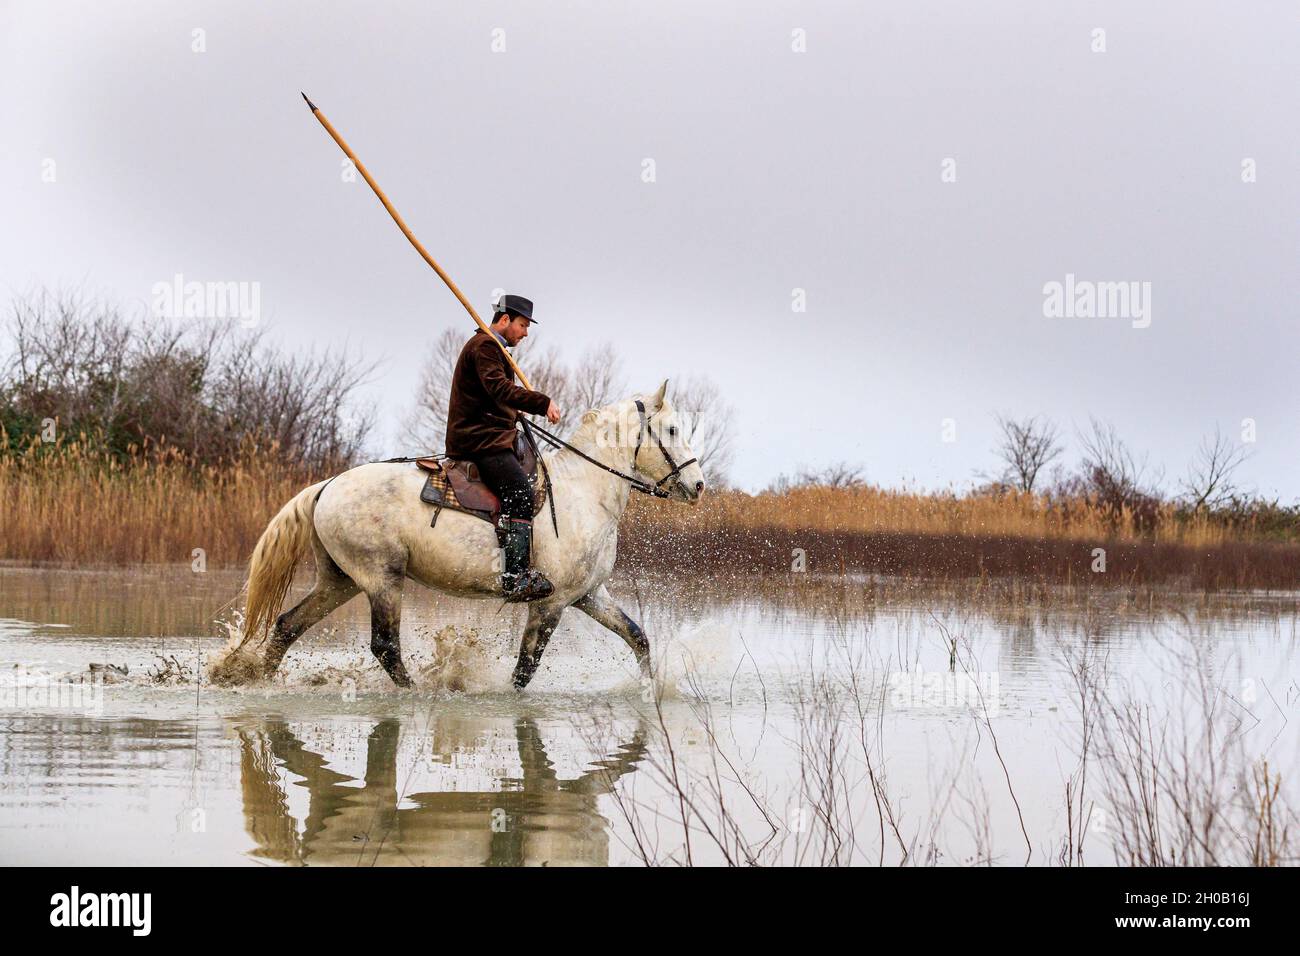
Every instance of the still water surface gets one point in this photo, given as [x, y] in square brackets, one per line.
[330, 765]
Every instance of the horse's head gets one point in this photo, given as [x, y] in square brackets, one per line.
[649, 440]
[660, 451]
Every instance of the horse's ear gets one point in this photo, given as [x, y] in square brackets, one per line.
[658, 400]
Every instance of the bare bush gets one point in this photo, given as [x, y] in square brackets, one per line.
[206, 389]
[1210, 482]
[840, 474]
[1027, 446]
[1153, 785]
[1113, 479]
[1178, 786]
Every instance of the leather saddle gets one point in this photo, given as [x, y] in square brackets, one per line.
[456, 484]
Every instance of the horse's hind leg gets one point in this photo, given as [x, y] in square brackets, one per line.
[542, 622]
[385, 627]
[600, 607]
[332, 589]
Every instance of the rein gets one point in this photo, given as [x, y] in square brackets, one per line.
[546, 473]
[656, 490]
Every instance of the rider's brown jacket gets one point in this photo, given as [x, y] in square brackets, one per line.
[485, 401]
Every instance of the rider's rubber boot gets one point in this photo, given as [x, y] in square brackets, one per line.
[521, 582]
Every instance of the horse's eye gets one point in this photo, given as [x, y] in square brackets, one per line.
[672, 431]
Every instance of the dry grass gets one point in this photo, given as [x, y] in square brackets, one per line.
[82, 507]
[875, 511]
[71, 505]
[1179, 784]
[942, 536]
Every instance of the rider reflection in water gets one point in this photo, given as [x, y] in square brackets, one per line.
[482, 412]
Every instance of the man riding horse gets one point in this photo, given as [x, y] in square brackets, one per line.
[482, 413]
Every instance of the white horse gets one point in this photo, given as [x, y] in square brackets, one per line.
[370, 531]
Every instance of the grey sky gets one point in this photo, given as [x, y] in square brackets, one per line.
[775, 170]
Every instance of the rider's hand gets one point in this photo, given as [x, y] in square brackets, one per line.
[553, 414]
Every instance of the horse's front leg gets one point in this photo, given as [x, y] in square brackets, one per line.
[600, 607]
[542, 621]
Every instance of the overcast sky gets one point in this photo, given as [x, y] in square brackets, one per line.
[828, 170]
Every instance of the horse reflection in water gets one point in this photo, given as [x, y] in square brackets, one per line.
[534, 819]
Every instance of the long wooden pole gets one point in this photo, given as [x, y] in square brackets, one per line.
[406, 231]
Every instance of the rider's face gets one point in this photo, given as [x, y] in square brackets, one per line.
[515, 330]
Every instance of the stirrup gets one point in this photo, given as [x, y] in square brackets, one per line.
[532, 585]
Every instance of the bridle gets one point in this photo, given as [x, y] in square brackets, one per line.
[657, 489]
[676, 468]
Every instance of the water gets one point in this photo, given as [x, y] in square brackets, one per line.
[795, 719]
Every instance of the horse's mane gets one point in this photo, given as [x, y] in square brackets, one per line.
[584, 436]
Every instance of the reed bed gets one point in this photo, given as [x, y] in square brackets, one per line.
[76, 506]
[73, 505]
[871, 530]
[876, 510]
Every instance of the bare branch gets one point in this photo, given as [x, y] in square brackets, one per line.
[1027, 447]
[1209, 482]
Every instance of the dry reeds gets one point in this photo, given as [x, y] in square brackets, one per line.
[1175, 784]
[75, 504]
[869, 510]
[944, 536]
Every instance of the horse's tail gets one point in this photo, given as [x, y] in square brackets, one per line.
[278, 551]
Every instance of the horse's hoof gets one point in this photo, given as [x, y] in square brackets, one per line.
[236, 668]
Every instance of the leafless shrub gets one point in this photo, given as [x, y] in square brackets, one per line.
[1178, 783]
[1027, 446]
[1087, 667]
[1112, 478]
[841, 474]
[1210, 479]
[1269, 835]
[206, 389]
[1174, 784]
[837, 809]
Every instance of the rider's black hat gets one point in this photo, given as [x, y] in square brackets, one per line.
[516, 305]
